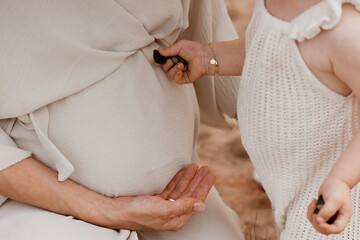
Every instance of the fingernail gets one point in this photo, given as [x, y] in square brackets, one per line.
[179, 66]
[320, 219]
[199, 207]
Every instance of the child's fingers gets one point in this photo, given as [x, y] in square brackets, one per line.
[341, 221]
[335, 228]
[312, 216]
[330, 208]
[315, 223]
[311, 209]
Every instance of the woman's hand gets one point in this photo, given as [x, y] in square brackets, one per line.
[150, 213]
[197, 56]
[337, 197]
[33, 183]
[190, 183]
[189, 188]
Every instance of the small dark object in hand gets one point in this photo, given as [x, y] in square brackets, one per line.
[320, 204]
[160, 59]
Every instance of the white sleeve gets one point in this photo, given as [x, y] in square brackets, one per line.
[9, 152]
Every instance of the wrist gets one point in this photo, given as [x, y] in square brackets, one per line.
[100, 210]
[335, 181]
[212, 62]
[207, 57]
[339, 176]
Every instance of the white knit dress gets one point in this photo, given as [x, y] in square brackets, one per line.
[294, 127]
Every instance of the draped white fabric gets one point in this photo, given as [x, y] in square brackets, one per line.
[60, 56]
[68, 46]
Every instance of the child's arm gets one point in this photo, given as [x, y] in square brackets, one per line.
[230, 56]
[344, 54]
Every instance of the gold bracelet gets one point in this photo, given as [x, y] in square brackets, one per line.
[213, 61]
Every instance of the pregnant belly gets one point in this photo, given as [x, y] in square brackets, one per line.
[126, 136]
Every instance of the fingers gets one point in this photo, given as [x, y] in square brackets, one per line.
[331, 207]
[168, 65]
[200, 185]
[340, 223]
[172, 184]
[192, 183]
[180, 211]
[204, 188]
[186, 206]
[312, 217]
[337, 227]
[193, 54]
[311, 209]
[172, 50]
[184, 182]
[195, 181]
[179, 73]
[175, 73]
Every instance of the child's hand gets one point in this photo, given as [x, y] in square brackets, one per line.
[337, 198]
[196, 54]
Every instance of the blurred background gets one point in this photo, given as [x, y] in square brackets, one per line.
[223, 152]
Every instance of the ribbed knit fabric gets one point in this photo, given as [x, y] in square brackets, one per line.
[294, 127]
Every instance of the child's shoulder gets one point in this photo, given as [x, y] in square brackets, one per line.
[333, 19]
[348, 27]
[344, 44]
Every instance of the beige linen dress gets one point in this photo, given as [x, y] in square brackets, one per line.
[79, 91]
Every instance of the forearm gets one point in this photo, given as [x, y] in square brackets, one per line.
[33, 183]
[347, 168]
[230, 56]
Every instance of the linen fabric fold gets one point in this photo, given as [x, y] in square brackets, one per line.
[54, 49]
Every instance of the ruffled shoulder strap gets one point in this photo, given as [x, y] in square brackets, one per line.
[323, 16]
